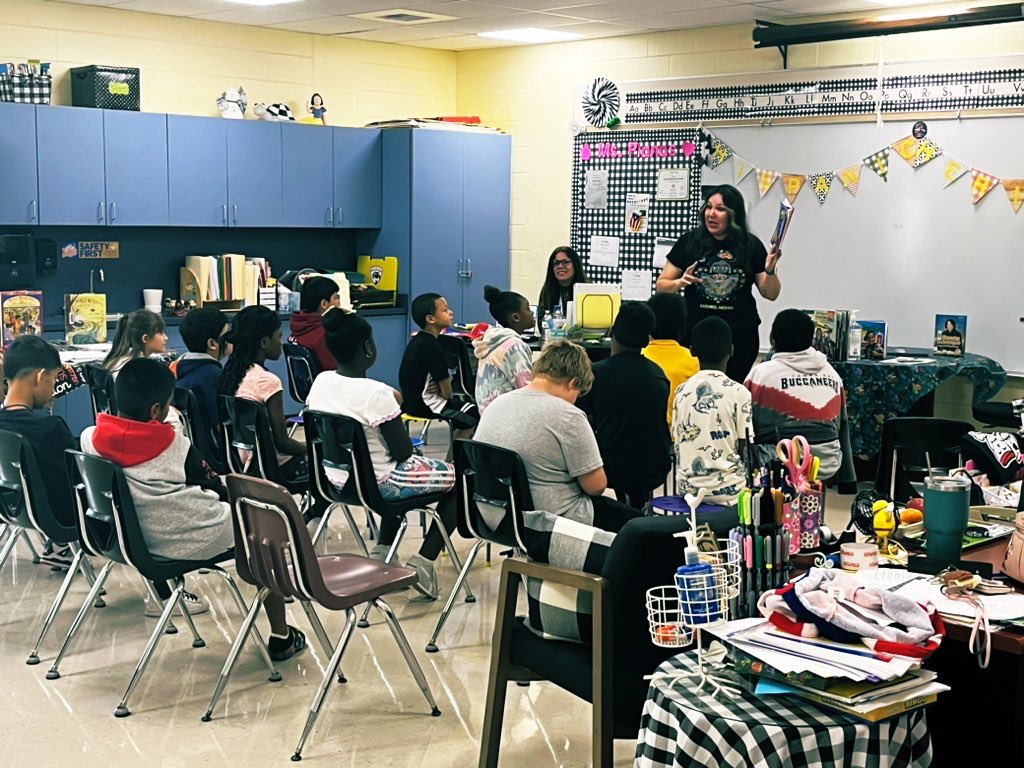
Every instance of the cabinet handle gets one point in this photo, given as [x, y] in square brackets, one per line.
[465, 269]
[338, 218]
[99, 211]
[224, 214]
[113, 213]
[32, 211]
[234, 214]
[329, 216]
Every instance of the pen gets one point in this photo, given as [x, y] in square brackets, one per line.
[779, 575]
[768, 575]
[777, 501]
[758, 560]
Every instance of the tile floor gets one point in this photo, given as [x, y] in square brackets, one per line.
[378, 718]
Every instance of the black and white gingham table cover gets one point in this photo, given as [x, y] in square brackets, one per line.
[681, 729]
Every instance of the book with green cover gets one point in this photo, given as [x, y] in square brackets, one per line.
[748, 665]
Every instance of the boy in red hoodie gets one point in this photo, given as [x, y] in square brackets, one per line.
[181, 514]
[307, 327]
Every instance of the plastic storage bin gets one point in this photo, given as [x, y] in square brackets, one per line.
[106, 87]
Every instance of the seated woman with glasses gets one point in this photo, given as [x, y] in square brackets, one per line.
[565, 269]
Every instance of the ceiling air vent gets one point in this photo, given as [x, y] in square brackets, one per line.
[402, 16]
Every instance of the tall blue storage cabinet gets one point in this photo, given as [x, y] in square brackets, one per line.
[19, 178]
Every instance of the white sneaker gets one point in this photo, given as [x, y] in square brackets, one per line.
[194, 604]
[427, 584]
[380, 552]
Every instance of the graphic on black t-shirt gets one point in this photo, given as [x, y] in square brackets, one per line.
[723, 279]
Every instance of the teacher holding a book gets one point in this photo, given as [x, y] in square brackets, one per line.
[715, 264]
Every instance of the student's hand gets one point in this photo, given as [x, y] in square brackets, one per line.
[772, 261]
[689, 277]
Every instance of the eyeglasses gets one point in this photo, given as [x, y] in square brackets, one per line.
[561, 262]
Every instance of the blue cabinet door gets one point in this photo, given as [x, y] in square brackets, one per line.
[19, 179]
[487, 200]
[437, 205]
[69, 143]
[135, 149]
[307, 153]
[197, 171]
[357, 178]
[254, 173]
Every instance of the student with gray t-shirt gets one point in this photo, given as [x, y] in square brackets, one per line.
[541, 423]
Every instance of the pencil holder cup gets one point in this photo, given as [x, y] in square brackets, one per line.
[810, 507]
[791, 522]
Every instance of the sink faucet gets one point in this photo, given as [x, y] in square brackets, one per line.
[92, 273]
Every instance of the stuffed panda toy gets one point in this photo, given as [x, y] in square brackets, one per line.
[276, 111]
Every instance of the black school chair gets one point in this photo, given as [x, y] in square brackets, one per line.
[197, 430]
[457, 351]
[245, 427]
[913, 445]
[302, 370]
[101, 389]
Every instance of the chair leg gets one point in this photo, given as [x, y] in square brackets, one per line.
[173, 602]
[322, 525]
[54, 672]
[355, 530]
[321, 635]
[325, 683]
[470, 597]
[14, 534]
[32, 547]
[257, 638]
[364, 621]
[236, 649]
[410, 658]
[463, 574]
[90, 576]
[58, 601]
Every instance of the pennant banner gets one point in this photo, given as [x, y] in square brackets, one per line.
[850, 176]
[879, 163]
[792, 183]
[906, 148]
[926, 150]
[954, 170]
[821, 183]
[981, 185]
[1015, 191]
[765, 179]
[741, 168]
[720, 152]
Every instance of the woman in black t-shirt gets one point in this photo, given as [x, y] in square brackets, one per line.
[714, 265]
[565, 269]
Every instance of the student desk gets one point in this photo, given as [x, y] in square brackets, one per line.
[597, 349]
[878, 390]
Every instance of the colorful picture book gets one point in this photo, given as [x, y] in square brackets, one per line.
[950, 334]
[831, 329]
[872, 339]
[22, 313]
[85, 318]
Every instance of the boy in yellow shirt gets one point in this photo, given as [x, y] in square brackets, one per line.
[669, 347]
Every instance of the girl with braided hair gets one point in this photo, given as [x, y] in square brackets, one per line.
[257, 337]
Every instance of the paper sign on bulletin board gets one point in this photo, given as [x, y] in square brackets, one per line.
[604, 251]
[638, 207]
[673, 184]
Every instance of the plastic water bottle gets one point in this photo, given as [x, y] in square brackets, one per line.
[856, 336]
[557, 322]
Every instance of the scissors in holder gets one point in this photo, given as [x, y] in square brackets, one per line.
[796, 455]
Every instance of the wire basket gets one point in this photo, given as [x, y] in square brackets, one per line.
[664, 618]
[706, 589]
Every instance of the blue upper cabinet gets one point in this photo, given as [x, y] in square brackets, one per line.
[254, 173]
[357, 178]
[19, 179]
[487, 203]
[307, 153]
[69, 142]
[135, 150]
[197, 171]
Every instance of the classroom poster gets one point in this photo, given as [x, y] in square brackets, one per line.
[662, 245]
[636, 285]
[673, 184]
[638, 208]
[595, 190]
[604, 251]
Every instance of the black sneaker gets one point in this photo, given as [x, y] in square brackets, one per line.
[57, 560]
[281, 648]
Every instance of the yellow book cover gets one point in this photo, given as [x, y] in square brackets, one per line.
[85, 318]
[22, 313]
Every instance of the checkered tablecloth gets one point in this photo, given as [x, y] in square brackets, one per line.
[680, 729]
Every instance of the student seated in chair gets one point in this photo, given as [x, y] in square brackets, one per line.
[181, 515]
[400, 472]
[797, 392]
[628, 403]
[205, 333]
[139, 334]
[542, 424]
[505, 360]
[424, 377]
[669, 347]
[711, 419]
[318, 294]
[30, 366]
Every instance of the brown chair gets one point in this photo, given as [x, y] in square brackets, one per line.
[280, 553]
[609, 672]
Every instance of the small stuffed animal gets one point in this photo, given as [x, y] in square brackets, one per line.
[232, 103]
[275, 111]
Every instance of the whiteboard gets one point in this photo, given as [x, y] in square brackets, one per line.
[901, 251]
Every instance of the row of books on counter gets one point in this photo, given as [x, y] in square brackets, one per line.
[841, 336]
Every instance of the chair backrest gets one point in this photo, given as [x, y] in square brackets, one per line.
[271, 540]
[96, 531]
[302, 369]
[101, 389]
[912, 444]
[196, 428]
[23, 498]
[457, 352]
[108, 501]
[339, 442]
[492, 481]
[246, 427]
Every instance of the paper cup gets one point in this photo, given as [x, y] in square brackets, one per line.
[152, 299]
[855, 557]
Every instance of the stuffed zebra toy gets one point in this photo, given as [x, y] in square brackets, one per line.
[275, 111]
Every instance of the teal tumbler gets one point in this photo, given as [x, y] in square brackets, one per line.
[947, 503]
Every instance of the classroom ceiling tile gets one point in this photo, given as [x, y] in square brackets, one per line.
[172, 7]
[261, 16]
[331, 25]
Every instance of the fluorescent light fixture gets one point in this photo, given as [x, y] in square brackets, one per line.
[261, 2]
[919, 14]
[531, 35]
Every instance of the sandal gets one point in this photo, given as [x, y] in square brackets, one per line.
[296, 642]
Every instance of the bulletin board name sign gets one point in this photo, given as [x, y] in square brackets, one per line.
[992, 89]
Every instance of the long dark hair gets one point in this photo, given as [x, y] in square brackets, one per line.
[551, 292]
[248, 329]
[734, 202]
[131, 328]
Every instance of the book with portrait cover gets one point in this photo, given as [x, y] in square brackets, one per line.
[950, 334]
[872, 339]
[85, 318]
[22, 313]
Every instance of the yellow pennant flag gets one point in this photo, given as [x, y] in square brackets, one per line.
[981, 185]
[793, 183]
[850, 176]
[906, 148]
[741, 168]
[926, 150]
[954, 170]
[1015, 191]
[765, 179]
